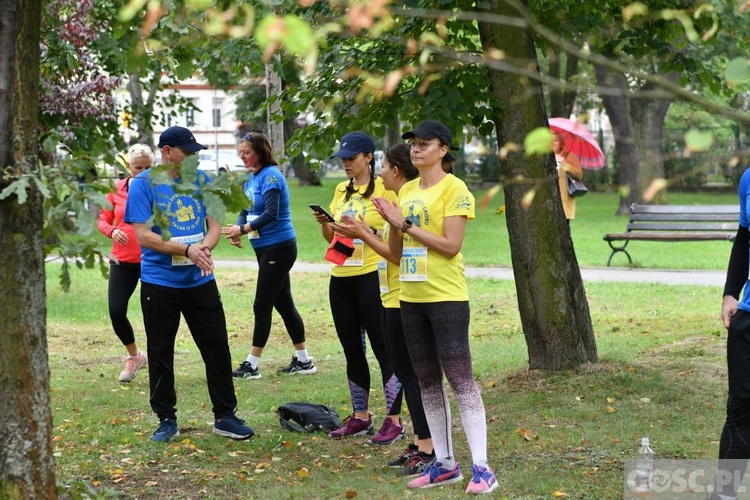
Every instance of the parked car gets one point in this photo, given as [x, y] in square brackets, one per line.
[227, 161]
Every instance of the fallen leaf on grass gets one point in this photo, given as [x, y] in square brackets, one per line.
[302, 473]
[559, 494]
[610, 409]
[152, 483]
[527, 434]
[491, 384]
[710, 406]
[350, 493]
[615, 440]
[610, 400]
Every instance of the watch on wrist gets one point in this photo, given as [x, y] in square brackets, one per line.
[242, 229]
[374, 231]
[406, 225]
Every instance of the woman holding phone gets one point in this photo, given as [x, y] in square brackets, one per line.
[427, 231]
[354, 292]
[268, 226]
[396, 170]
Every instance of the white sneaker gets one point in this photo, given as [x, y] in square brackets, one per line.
[132, 365]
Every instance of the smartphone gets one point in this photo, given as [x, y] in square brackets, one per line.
[322, 211]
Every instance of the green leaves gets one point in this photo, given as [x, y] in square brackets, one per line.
[538, 141]
[738, 71]
[698, 140]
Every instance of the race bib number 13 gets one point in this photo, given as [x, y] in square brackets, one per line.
[413, 264]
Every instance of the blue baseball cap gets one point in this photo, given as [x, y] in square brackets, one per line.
[354, 143]
[180, 137]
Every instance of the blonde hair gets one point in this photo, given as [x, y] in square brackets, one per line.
[138, 150]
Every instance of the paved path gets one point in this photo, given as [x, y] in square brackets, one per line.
[593, 274]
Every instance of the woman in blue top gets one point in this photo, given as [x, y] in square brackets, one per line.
[268, 225]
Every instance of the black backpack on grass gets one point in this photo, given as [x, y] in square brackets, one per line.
[308, 417]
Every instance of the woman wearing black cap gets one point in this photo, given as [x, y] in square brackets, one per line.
[354, 291]
[427, 231]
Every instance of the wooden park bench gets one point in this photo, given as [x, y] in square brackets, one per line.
[675, 223]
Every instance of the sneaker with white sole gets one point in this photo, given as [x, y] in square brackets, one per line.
[297, 367]
[436, 475]
[389, 432]
[401, 461]
[132, 365]
[353, 426]
[483, 481]
[166, 431]
[417, 464]
[246, 370]
[232, 427]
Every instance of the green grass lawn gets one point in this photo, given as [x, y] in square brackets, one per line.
[486, 242]
[661, 374]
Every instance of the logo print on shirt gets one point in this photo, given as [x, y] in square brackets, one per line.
[184, 213]
[463, 202]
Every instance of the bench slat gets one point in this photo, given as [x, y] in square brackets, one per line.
[671, 236]
[729, 217]
[684, 209]
[682, 226]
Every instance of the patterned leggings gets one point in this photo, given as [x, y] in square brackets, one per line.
[437, 335]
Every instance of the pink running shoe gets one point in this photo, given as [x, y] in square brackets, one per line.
[132, 365]
[436, 475]
[482, 481]
[353, 426]
[389, 432]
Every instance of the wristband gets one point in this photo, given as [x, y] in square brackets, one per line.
[187, 248]
[374, 231]
[242, 229]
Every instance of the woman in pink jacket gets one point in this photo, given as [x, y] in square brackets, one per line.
[125, 261]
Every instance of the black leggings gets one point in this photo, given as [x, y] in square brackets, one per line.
[274, 290]
[355, 303]
[395, 342]
[123, 278]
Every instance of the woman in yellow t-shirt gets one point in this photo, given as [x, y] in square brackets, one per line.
[396, 170]
[427, 230]
[354, 292]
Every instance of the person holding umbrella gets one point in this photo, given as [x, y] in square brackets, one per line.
[575, 148]
[567, 165]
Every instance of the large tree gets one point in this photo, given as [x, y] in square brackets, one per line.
[26, 463]
[551, 297]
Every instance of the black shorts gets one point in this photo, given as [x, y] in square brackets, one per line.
[738, 355]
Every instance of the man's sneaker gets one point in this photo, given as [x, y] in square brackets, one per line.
[482, 481]
[166, 431]
[353, 426]
[417, 465]
[232, 427]
[246, 370]
[132, 365]
[298, 367]
[436, 475]
[409, 453]
[389, 432]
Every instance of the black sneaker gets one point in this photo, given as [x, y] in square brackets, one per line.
[298, 367]
[246, 370]
[417, 465]
[409, 453]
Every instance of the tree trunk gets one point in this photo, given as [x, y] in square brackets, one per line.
[551, 298]
[647, 117]
[562, 99]
[305, 176]
[617, 105]
[26, 463]
[142, 110]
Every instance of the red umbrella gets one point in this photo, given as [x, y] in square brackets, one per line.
[579, 141]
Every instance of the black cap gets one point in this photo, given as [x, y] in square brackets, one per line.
[354, 143]
[432, 129]
[180, 137]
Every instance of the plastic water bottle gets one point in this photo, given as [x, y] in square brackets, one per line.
[644, 468]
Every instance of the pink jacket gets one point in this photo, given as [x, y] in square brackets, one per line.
[111, 219]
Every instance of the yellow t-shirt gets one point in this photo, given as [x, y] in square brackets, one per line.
[390, 287]
[357, 206]
[427, 276]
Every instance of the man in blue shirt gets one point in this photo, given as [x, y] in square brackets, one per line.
[734, 446]
[177, 278]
